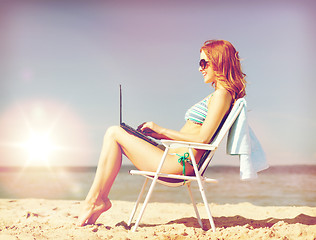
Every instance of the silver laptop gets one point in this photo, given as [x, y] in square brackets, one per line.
[131, 130]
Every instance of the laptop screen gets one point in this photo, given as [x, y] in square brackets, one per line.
[120, 104]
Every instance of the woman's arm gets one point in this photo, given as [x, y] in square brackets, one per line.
[218, 107]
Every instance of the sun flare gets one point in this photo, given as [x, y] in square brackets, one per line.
[39, 147]
[43, 132]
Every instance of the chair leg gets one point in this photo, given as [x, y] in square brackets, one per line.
[137, 202]
[194, 206]
[200, 183]
[144, 205]
[150, 189]
[207, 207]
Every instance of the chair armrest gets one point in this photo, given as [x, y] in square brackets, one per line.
[181, 144]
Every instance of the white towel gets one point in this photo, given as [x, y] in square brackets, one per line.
[242, 141]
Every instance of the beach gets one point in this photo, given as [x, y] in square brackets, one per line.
[57, 219]
[44, 203]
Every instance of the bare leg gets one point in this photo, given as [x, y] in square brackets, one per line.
[116, 142]
[109, 164]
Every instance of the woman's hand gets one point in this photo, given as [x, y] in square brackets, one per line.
[151, 129]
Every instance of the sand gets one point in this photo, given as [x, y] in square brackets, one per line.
[57, 219]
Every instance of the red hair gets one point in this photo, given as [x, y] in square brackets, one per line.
[225, 62]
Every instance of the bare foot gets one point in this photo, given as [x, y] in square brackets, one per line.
[91, 212]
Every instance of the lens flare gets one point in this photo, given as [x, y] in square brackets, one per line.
[42, 132]
[39, 147]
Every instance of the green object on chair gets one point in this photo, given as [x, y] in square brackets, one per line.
[183, 159]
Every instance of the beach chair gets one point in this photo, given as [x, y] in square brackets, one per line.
[173, 180]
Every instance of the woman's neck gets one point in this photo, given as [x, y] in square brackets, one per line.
[218, 85]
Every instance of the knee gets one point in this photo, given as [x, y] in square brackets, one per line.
[112, 132]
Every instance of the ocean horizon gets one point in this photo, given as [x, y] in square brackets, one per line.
[284, 185]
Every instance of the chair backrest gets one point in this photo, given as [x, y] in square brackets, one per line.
[206, 158]
[232, 116]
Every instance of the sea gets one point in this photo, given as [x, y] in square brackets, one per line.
[293, 185]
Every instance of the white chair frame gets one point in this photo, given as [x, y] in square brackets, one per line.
[188, 179]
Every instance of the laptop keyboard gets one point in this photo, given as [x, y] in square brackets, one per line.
[138, 134]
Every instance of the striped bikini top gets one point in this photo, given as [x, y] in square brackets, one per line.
[197, 113]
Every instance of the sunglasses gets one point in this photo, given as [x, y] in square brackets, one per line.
[203, 63]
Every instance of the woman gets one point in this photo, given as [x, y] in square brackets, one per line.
[220, 66]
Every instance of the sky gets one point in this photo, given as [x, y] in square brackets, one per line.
[62, 63]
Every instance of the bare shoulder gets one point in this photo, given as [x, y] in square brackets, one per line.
[221, 95]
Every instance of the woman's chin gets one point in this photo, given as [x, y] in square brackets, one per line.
[207, 81]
